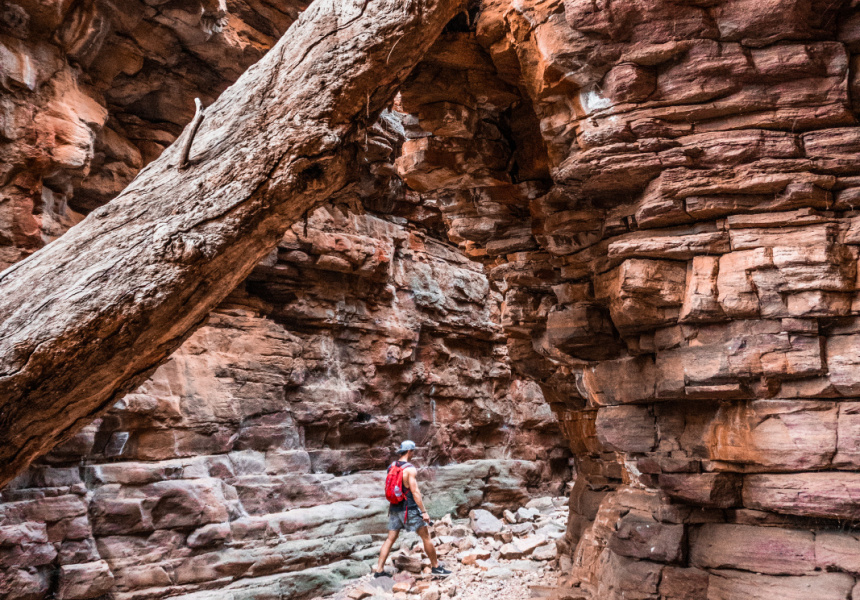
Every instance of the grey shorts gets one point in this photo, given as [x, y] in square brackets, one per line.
[397, 520]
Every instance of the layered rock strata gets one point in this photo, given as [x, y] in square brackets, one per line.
[664, 193]
[92, 91]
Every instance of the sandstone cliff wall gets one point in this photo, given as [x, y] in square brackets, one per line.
[93, 90]
[664, 192]
[253, 460]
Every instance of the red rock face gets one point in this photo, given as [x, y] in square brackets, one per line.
[661, 195]
[91, 92]
[674, 236]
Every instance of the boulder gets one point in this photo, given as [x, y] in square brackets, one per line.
[545, 552]
[413, 564]
[526, 514]
[499, 573]
[360, 592]
[471, 557]
[431, 593]
[546, 503]
[523, 566]
[484, 524]
[521, 547]
[522, 529]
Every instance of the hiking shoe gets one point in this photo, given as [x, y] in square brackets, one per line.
[381, 574]
[440, 571]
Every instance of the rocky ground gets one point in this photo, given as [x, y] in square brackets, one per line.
[510, 558]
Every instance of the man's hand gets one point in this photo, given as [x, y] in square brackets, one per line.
[426, 516]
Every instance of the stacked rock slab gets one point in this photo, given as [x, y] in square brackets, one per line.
[679, 265]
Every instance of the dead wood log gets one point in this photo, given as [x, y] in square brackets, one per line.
[87, 318]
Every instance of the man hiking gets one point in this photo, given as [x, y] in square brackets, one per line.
[409, 513]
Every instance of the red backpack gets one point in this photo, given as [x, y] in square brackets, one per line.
[394, 491]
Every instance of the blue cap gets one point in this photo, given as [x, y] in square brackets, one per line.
[406, 446]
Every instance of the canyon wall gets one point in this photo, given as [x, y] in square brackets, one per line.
[253, 460]
[664, 192]
[94, 90]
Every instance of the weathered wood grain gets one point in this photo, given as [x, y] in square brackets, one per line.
[87, 318]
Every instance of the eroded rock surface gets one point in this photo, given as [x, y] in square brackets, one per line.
[663, 192]
[92, 91]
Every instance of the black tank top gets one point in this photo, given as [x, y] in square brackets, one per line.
[409, 503]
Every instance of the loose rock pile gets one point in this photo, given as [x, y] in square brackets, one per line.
[509, 558]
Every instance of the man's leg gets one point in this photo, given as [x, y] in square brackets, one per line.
[429, 548]
[386, 548]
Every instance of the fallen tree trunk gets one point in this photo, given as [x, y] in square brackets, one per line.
[88, 318]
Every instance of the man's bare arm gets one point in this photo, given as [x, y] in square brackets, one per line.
[412, 480]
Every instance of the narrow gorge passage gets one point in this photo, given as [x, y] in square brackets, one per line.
[615, 234]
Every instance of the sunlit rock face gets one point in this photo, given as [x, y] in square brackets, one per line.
[664, 193]
[91, 91]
